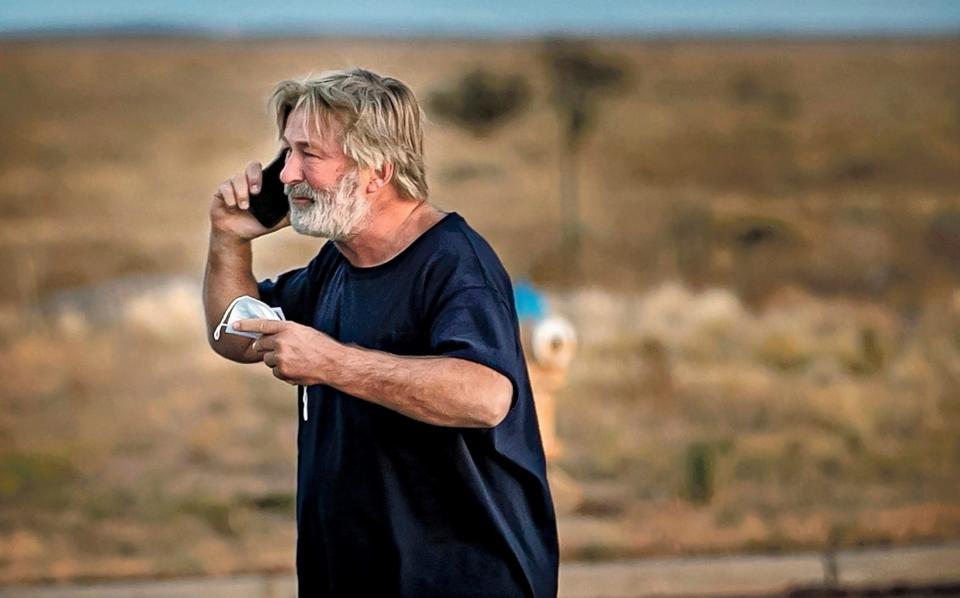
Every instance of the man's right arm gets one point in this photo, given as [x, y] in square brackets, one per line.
[229, 272]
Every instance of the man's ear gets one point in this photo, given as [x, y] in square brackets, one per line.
[380, 177]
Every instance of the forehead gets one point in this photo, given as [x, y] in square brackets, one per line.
[302, 127]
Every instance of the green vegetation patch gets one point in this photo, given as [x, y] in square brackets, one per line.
[34, 477]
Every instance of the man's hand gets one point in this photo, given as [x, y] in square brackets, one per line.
[229, 212]
[297, 354]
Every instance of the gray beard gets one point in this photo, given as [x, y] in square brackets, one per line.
[336, 215]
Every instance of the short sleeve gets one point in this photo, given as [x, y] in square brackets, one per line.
[288, 292]
[476, 324]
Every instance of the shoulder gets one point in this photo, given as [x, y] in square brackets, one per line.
[461, 259]
[461, 256]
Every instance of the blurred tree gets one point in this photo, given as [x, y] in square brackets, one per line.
[580, 77]
[481, 101]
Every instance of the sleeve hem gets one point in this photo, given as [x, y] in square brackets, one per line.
[472, 357]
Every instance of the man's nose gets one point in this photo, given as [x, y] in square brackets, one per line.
[292, 173]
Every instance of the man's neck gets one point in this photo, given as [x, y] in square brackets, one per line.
[393, 227]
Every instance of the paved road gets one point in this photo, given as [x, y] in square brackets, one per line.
[663, 577]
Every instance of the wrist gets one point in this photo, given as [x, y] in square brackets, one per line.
[339, 361]
[221, 240]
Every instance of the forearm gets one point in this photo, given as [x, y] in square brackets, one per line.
[443, 391]
[228, 275]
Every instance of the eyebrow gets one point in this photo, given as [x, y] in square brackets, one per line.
[300, 143]
[284, 139]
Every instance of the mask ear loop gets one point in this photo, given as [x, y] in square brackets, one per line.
[302, 392]
[223, 320]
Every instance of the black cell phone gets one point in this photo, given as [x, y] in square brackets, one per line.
[271, 204]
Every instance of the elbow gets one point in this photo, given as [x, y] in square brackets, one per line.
[216, 346]
[483, 396]
[497, 403]
[498, 413]
[233, 349]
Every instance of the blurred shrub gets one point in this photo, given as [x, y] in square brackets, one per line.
[792, 461]
[754, 468]
[658, 378]
[830, 466]
[214, 512]
[693, 236]
[279, 502]
[699, 472]
[729, 516]
[33, 477]
[854, 169]
[108, 502]
[852, 441]
[460, 172]
[871, 349]
[746, 88]
[749, 232]
[481, 101]
[943, 237]
[783, 352]
[751, 88]
[870, 356]
[766, 253]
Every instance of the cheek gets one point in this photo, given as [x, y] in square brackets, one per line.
[317, 182]
[320, 177]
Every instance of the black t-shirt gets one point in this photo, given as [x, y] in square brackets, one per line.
[391, 506]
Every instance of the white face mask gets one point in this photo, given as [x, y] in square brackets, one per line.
[246, 307]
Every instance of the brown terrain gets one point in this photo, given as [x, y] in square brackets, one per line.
[767, 295]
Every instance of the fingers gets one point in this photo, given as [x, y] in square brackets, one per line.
[264, 344]
[225, 192]
[253, 173]
[270, 360]
[241, 191]
[235, 191]
[260, 325]
[279, 376]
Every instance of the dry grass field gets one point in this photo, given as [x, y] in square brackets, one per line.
[767, 294]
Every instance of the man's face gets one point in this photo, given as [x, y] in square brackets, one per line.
[321, 183]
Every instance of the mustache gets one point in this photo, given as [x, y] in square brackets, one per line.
[302, 189]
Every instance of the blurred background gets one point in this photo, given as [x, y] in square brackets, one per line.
[749, 212]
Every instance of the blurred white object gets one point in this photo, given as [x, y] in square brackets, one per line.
[554, 342]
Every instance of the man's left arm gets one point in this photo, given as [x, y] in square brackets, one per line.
[443, 391]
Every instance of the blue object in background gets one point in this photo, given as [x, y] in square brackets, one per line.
[531, 304]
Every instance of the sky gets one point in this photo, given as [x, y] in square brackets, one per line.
[485, 17]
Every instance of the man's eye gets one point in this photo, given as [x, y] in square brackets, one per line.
[308, 154]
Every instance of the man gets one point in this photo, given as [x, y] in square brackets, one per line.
[420, 466]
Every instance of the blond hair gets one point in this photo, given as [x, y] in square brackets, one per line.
[378, 119]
